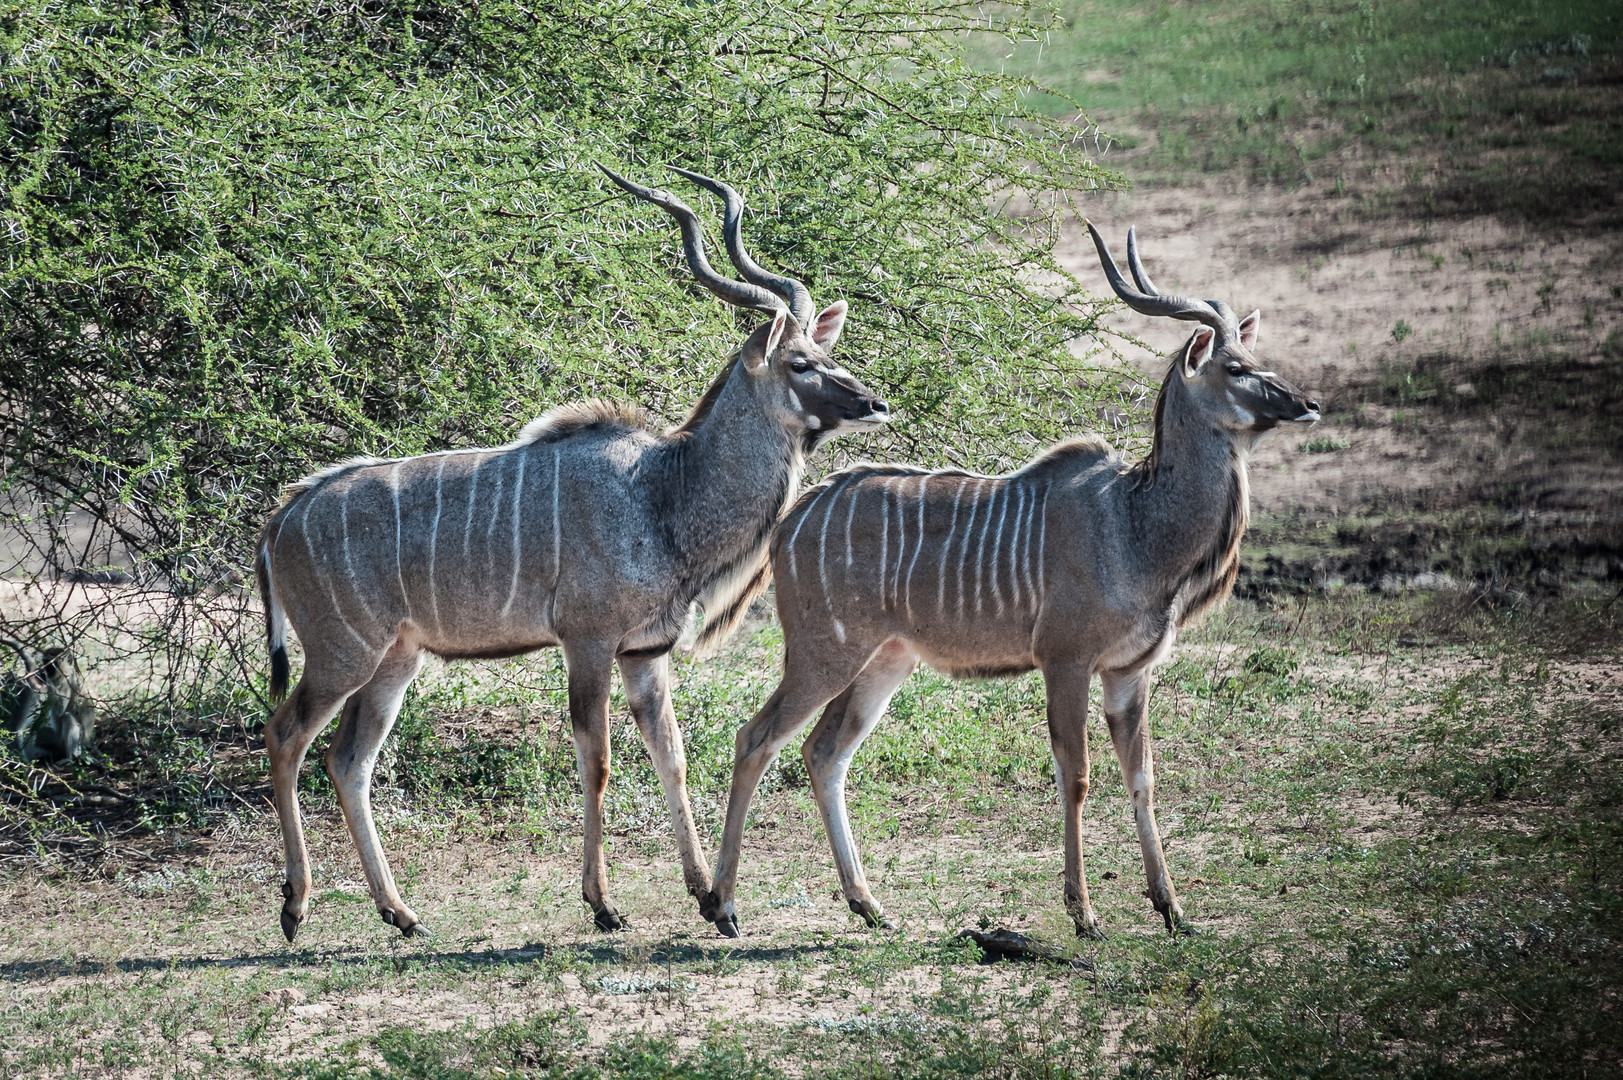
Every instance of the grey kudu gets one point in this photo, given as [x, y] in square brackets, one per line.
[591, 531]
[1078, 564]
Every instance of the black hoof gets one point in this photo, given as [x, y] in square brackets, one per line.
[727, 925]
[290, 925]
[874, 919]
[290, 921]
[1090, 931]
[418, 930]
[608, 920]
[1181, 927]
[713, 909]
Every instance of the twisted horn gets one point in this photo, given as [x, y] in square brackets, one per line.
[1136, 265]
[737, 293]
[1148, 300]
[799, 297]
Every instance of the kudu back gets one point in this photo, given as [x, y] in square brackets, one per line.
[1078, 564]
[591, 531]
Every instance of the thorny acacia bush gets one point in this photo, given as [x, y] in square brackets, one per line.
[242, 240]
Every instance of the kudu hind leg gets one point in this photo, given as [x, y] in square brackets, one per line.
[368, 717]
[809, 682]
[590, 675]
[1067, 689]
[1127, 711]
[288, 735]
[648, 692]
[828, 751]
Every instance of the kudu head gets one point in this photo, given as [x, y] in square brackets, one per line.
[1215, 366]
[786, 362]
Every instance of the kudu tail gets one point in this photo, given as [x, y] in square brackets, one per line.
[275, 625]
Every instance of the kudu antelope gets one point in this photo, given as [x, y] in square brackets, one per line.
[591, 531]
[1076, 564]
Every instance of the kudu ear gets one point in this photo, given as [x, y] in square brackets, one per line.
[828, 324]
[1197, 351]
[1248, 329]
[761, 344]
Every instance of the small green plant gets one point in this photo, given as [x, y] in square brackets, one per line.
[1402, 384]
[1325, 444]
[1401, 330]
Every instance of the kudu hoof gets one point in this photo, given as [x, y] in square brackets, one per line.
[608, 920]
[1091, 931]
[408, 927]
[715, 910]
[875, 919]
[290, 925]
[290, 917]
[1180, 927]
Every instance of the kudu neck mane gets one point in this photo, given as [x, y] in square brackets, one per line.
[1192, 494]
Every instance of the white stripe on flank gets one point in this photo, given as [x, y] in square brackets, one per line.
[884, 535]
[399, 570]
[801, 524]
[901, 538]
[1042, 552]
[315, 568]
[434, 543]
[997, 541]
[473, 489]
[980, 549]
[1014, 546]
[349, 564]
[946, 546]
[856, 489]
[1025, 551]
[822, 566]
[963, 552]
[518, 490]
[918, 547]
[557, 526]
[495, 512]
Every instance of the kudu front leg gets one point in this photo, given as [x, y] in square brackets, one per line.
[590, 672]
[648, 691]
[1127, 711]
[1067, 687]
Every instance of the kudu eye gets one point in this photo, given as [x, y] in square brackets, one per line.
[1235, 367]
[800, 366]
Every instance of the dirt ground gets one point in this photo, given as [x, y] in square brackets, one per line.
[178, 953]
